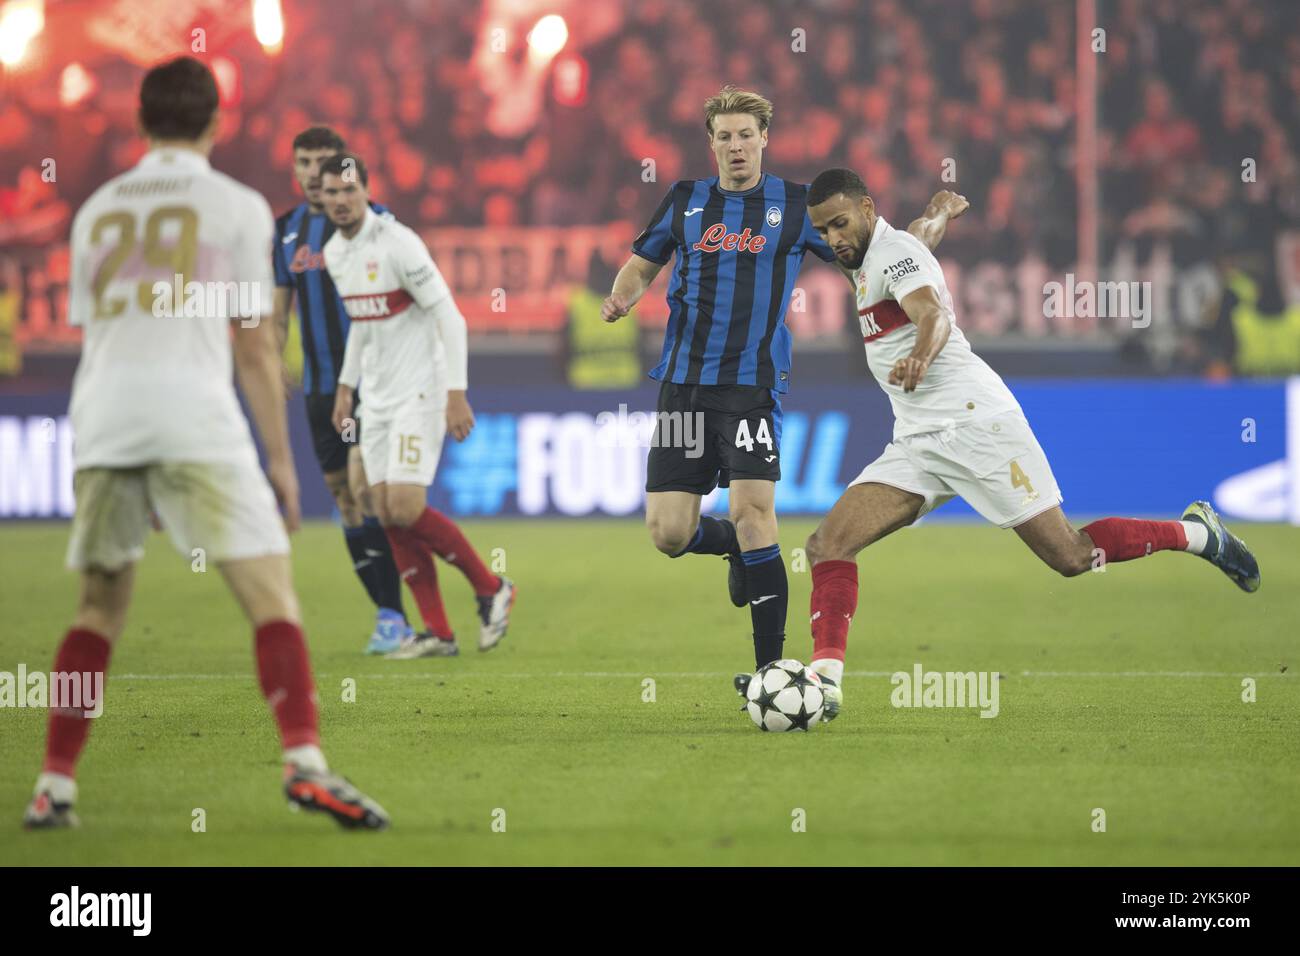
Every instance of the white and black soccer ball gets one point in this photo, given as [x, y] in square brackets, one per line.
[785, 695]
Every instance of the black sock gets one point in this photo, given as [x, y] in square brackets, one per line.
[769, 593]
[362, 562]
[713, 536]
[388, 581]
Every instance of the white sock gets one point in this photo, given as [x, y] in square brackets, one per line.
[307, 757]
[1198, 536]
[61, 788]
[829, 667]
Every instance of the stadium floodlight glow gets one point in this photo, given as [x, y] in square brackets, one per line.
[268, 25]
[20, 22]
[76, 84]
[547, 37]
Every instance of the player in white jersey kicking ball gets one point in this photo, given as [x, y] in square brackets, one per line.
[958, 431]
[158, 427]
[407, 342]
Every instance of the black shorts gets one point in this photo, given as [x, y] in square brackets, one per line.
[331, 449]
[707, 435]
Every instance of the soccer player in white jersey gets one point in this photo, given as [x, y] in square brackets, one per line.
[958, 431]
[158, 426]
[408, 343]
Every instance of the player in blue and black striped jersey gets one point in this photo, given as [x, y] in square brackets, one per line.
[740, 238]
[300, 235]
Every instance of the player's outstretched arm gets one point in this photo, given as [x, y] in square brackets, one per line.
[257, 365]
[933, 223]
[633, 279]
[932, 327]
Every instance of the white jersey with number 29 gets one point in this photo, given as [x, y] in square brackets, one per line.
[155, 382]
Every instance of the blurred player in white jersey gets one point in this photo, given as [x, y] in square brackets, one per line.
[163, 258]
[407, 342]
[958, 431]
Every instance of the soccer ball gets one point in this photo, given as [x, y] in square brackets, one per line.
[785, 695]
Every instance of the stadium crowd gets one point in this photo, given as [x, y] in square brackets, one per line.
[1189, 92]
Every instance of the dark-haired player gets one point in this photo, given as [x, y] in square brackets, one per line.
[958, 430]
[300, 237]
[740, 238]
[408, 347]
[159, 427]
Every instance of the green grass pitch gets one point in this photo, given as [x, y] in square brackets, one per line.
[1121, 691]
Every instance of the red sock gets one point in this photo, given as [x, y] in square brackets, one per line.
[285, 674]
[440, 534]
[834, 599]
[82, 651]
[416, 568]
[1123, 539]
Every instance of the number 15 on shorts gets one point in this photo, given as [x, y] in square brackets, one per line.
[409, 449]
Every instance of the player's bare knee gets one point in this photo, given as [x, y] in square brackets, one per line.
[755, 526]
[815, 548]
[812, 548]
[670, 537]
[402, 512]
[825, 545]
[1071, 563]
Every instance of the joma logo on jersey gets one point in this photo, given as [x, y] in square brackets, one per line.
[716, 238]
[304, 260]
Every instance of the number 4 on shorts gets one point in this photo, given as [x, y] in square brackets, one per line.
[1019, 479]
[761, 435]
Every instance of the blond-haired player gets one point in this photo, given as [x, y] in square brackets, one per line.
[740, 238]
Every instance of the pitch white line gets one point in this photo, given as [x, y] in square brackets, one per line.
[695, 674]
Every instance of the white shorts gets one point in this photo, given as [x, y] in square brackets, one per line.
[995, 464]
[222, 511]
[403, 447]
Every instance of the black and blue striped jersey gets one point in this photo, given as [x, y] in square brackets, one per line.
[738, 256]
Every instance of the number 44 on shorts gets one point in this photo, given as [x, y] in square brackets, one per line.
[761, 435]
